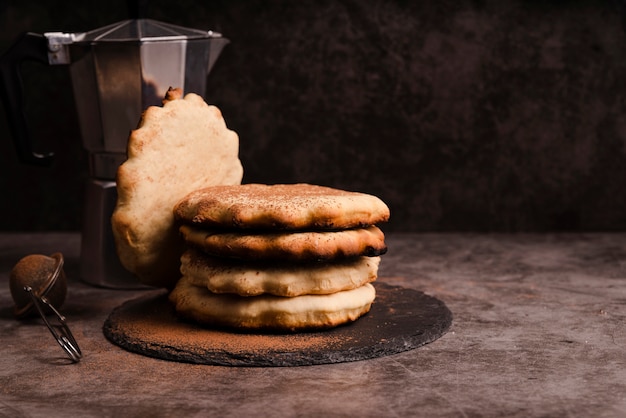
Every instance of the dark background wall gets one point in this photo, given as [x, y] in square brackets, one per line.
[462, 115]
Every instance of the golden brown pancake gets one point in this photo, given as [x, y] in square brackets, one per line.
[290, 246]
[268, 312]
[280, 206]
[220, 275]
[177, 148]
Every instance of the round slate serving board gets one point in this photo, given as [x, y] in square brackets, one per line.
[400, 320]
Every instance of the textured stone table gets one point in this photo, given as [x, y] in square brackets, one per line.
[538, 331]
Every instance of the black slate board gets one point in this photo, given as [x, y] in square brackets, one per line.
[400, 320]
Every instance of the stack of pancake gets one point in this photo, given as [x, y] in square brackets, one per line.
[288, 257]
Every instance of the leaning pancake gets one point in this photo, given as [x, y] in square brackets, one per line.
[268, 312]
[177, 148]
[290, 246]
[221, 275]
[280, 206]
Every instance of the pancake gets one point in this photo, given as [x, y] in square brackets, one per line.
[280, 207]
[176, 149]
[268, 312]
[220, 275]
[289, 246]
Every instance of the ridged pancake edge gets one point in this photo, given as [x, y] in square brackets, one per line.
[177, 148]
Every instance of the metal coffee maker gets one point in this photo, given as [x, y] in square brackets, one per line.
[116, 71]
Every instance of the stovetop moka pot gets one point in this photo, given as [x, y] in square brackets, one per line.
[117, 71]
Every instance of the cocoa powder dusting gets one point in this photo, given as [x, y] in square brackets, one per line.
[401, 319]
[157, 328]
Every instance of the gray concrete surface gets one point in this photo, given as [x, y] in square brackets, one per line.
[538, 330]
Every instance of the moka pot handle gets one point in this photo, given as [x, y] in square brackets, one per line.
[29, 47]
